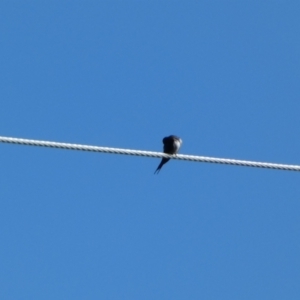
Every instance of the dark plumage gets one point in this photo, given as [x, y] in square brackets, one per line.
[172, 144]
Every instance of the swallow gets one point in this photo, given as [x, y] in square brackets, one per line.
[172, 144]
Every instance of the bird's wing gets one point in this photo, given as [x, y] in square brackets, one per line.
[168, 145]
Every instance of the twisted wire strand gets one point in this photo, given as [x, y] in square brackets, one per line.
[194, 158]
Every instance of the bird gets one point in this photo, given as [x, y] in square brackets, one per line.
[172, 144]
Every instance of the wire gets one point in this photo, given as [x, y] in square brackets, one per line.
[206, 159]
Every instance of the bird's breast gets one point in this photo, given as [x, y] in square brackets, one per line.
[177, 145]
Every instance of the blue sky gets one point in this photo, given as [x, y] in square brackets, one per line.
[222, 75]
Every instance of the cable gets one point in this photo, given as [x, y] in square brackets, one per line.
[206, 159]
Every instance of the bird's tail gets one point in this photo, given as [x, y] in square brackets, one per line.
[163, 161]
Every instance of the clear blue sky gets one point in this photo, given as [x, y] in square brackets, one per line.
[222, 75]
